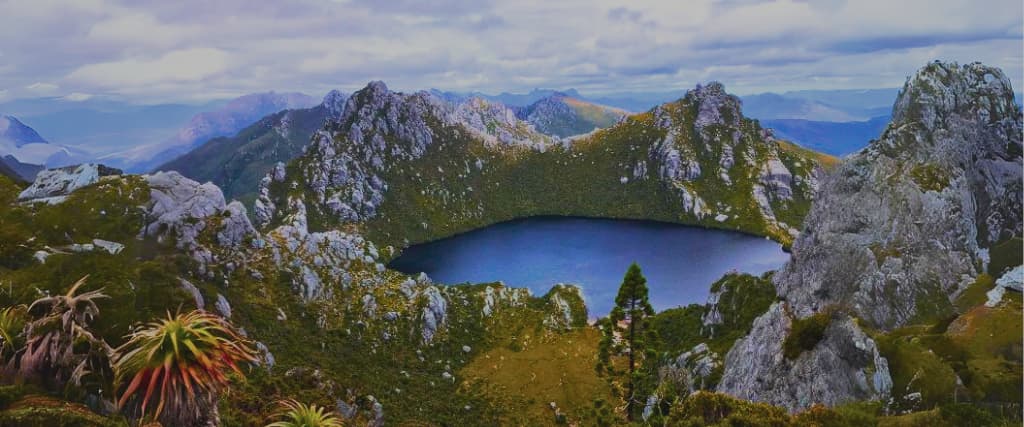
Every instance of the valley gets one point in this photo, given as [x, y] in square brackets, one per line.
[893, 308]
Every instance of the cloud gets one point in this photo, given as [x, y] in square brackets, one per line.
[42, 88]
[154, 51]
[77, 97]
[189, 65]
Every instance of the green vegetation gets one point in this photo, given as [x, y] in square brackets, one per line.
[60, 348]
[185, 359]
[547, 368]
[628, 331]
[805, 333]
[741, 299]
[929, 177]
[296, 414]
[974, 295]
[1005, 255]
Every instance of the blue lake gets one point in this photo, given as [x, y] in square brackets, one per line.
[680, 262]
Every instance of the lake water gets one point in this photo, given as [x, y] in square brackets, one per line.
[680, 262]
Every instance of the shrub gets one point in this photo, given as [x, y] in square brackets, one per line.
[186, 358]
[296, 414]
[59, 349]
[805, 334]
[705, 409]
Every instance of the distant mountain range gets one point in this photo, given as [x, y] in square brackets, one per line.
[236, 163]
[143, 138]
[835, 138]
[225, 121]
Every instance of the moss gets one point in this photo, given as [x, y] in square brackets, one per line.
[805, 333]
[915, 368]
[930, 177]
[883, 252]
[975, 293]
[1005, 255]
[714, 409]
[41, 411]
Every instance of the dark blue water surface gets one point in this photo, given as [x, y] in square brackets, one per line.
[680, 262]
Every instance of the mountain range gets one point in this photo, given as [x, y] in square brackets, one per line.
[900, 303]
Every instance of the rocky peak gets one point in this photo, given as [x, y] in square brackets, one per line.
[715, 105]
[895, 234]
[334, 103]
[942, 89]
[14, 130]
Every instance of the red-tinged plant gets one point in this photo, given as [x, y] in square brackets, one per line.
[174, 369]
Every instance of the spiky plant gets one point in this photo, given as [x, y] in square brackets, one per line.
[297, 414]
[179, 364]
[59, 348]
[12, 324]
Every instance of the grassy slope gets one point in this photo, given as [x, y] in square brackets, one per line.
[444, 193]
[549, 368]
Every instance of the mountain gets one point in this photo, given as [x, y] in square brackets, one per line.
[237, 163]
[24, 171]
[26, 145]
[900, 303]
[15, 132]
[858, 102]
[910, 231]
[835, 138]
[225, 121]
[429, 175]
[771, 106]
[563, 115]
[506, 98]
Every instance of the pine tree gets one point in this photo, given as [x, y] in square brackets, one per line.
[629, 321]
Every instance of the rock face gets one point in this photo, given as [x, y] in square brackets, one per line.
[894, 235]
[844, 366]
[52, 185]
[352, 154]
[915, 213]
[496, 123]
[179, 209]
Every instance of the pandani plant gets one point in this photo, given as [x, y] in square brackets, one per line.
[59, 347]
[12, 324]
[174, 369]
[297, 414]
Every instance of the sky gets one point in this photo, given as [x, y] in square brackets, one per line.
[154, 51]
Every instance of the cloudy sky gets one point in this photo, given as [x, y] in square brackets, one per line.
[151, 51]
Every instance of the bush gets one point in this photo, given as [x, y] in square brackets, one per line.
[805, 334]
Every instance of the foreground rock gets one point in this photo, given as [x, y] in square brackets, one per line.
[893, 237]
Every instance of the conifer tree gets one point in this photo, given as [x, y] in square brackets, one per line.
[628, 331]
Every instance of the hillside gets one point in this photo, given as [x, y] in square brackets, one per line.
[237, 163]
[693, 161]
[563, 116]
[225, 121]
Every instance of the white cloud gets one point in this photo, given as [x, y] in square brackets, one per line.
[41, 88]
[192, 49]
[77, 97]
[189, 65]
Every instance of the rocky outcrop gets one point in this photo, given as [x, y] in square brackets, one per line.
[179, 210]
[497, 124]
[53, 185]
[914, 214]
[844, 366]
[352, 154]
[894, 235]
